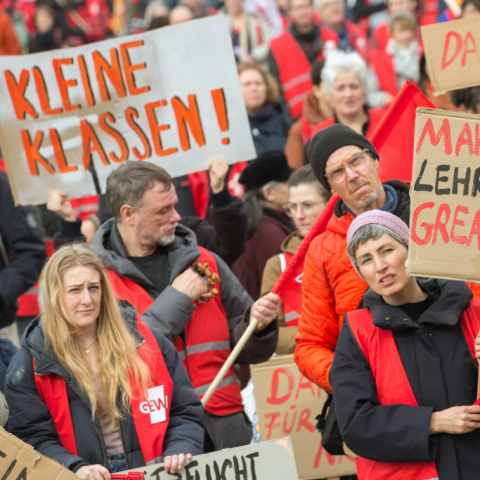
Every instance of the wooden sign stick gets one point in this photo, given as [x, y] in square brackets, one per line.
[232, 357]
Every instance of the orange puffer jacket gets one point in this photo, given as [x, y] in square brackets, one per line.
[331, 288]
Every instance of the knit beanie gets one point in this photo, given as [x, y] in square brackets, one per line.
[379, 217]
[269, 166]
[329, 140]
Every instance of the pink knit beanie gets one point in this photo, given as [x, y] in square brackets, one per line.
[379, 217]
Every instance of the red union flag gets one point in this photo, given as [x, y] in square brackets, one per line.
[394, 135]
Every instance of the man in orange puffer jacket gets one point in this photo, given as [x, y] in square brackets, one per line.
[346, 163]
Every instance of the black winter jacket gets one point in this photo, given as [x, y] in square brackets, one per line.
[31, 422]
[269, 129]
[440, 370]
[26, 248]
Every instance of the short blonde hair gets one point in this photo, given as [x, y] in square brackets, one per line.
[272, 86]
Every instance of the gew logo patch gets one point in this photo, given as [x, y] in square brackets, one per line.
[156, 406]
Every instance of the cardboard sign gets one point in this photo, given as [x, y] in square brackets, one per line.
[452, 50]
[445, 194]
[170, 96]
[19, 461]
[260, 461]
[287, 404]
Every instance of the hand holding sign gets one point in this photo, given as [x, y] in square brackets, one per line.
[93, 472]
[175, 462]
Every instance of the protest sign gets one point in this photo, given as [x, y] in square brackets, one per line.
[260, 461]
[452, 51]
[170, 96]
[445, 211]
[287, 404]
[19, 461]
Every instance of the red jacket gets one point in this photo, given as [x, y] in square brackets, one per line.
[294, 67]
[375, 115]
[205, 345]
[392, 384]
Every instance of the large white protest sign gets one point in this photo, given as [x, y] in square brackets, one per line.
[272, 460]
[170, 96]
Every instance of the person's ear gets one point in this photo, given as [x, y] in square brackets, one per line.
[268, 193]
[375, 162]
[128, 214]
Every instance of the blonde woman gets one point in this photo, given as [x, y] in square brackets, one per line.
[94, 388]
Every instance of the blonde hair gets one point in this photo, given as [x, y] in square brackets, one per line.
[116, 352]
[272, 86]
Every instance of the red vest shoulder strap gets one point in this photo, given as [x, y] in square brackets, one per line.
[380, 350]
[306, 129]
[322, 125]
[470, 322]
[53, 391]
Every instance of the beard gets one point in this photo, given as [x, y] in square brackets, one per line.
[162, 240]
[367, 201]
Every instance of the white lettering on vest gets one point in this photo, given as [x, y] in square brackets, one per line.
[156, 405]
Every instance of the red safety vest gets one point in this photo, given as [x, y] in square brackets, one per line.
[295, 68]
[391, 381]
[384, 68]
[151, 414]
[291, 292]
[207, 341]
[382, 35]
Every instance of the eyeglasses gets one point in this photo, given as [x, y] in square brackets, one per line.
[356, 163]
[305, 207]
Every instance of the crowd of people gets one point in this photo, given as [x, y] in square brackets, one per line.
[128, 304]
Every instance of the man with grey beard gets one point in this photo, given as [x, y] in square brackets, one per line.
[346, 164]
[149, 258]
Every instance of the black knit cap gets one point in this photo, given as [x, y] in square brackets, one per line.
[329, 140]
[268, 167]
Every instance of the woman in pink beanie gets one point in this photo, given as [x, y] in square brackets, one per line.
[404, 376]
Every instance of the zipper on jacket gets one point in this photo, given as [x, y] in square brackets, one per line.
[123, 445]
[105, 463]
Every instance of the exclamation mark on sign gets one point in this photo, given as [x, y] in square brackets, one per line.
[218, 98]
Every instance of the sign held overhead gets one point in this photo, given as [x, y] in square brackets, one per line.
[445, 208]
[452, 51]
[170, 96]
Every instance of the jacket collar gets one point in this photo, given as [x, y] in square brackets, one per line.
[453, 298]
[340, 221]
